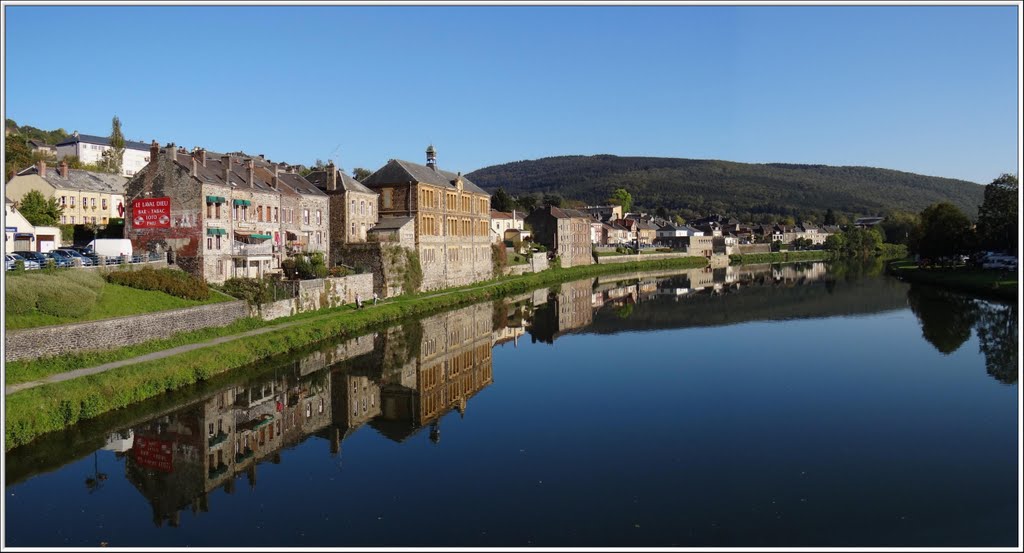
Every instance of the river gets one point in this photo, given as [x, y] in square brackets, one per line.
[797, 405]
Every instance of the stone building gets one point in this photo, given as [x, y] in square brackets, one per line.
[566, 232]
[353, 207]
[452, 219]
[224, 216]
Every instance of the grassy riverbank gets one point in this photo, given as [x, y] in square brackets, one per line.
[63, 296]
[985, 282]
[42, 409]
[778, 257]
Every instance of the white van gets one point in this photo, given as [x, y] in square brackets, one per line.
[111, 247]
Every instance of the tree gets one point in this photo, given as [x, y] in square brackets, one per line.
[830, 217]
[359, 173]
[943, 232]
[679, 220]
[501, 201]
[553, 200]
[898, 226]
[17, 154]
[997, 215]
[622, 197]
[113, 159]
[40, 211]
[527, 203]
[836, 243]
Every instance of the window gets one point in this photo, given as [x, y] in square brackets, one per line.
[362, 207]
[352, 208]
[319, 217]
[72, 201]
[275, 214]
[220, 267]
[218, 241]
[318, 242]
[305, 216]
[353, 233]
[259, 213]
[63, 219]
[209, 210]
[235, 212]
[216, 211]
[72, 219]
[63, 200]
[245, 213]
[385, 197]
[93, 202]
[209, 242]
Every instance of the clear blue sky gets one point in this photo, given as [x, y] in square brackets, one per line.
[926, 89]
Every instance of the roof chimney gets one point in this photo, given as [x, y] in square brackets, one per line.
[64, 168]
[41, 166]
[154, 150]
[194, 163]
[226, 161]
[332, 175]
[172, 151]
[431, 157]
[200, 155]
[276, 182]
[251, 166]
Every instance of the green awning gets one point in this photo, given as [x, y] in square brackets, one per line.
[214, 199]
[216, 232]
[260, 236]
[243, 202]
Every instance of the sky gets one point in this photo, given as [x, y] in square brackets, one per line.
[925, 89]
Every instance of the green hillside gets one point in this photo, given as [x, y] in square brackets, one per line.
[746, 190]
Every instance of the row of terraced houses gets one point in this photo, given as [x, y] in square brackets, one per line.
[234, 215]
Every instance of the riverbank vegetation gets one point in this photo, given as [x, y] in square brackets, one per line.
[778, 257]
[50, 407]
[63, 296]
[987, 282]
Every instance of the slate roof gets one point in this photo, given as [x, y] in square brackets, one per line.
[391, 223]
[495, 214]
[401, 171]
[104, 140]
[79, 179]
[345, 182]
[213, 173]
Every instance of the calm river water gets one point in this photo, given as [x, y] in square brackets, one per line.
[761, 406]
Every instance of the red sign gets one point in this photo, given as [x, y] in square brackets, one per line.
[154, 454]
[151, 213]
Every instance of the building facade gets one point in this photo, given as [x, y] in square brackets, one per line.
[566, 232]
[354, 207]
[452, 219]
[89, 149]
[86, 196]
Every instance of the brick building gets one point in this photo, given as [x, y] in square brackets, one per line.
[228, 216]
[452, 219]
[565, 232]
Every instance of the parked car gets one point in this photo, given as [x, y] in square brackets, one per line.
[39, 257]
[11, 258]
[59, 259]
[75, 254]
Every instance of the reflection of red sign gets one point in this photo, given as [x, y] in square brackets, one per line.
[154, 454]
[151, 213]
[120, 209]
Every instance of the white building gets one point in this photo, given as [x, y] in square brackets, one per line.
[89, 149]
[20, 235]
[502, 221]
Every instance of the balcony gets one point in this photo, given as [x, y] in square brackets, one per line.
[252, 250]
[218, 439]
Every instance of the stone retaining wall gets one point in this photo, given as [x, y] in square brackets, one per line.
[115, 333]
[321, 293]
[628, 258]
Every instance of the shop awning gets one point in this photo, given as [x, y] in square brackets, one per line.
[260, 236]
[216, 232]
[242, 202]
[215, 199]
[24, 236]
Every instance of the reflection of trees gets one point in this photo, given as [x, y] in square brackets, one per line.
[997, 337]
[545, 322]
[946, 318]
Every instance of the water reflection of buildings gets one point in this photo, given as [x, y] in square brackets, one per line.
[399, 381]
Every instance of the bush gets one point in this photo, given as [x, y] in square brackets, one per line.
[169, 281]
[253, 290]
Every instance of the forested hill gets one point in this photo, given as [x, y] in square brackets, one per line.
[746, 190]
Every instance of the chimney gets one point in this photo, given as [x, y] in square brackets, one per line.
[194, 163]
[154, 150]
[332, 175]
[261, 156]
[251, 166]
[64, 168]
[41, 166]
[226, 161]
[172, 151]
[276, 182]
[200, 155]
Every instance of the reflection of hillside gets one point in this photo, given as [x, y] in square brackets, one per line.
[399, 381]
